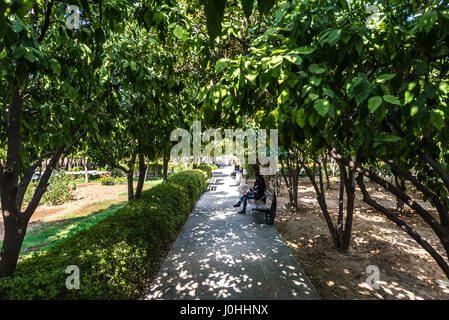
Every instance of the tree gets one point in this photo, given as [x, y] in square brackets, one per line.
[50, 91]
[368, 94]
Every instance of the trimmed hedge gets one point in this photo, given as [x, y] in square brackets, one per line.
[193, 182]
[118, 256]
[207, 169]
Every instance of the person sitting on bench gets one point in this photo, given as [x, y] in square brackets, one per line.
[257, 192]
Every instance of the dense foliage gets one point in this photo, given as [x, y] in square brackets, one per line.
[118, 256]
[364, 89]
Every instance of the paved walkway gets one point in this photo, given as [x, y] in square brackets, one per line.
[220, 254]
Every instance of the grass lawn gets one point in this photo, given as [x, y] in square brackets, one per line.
[42, 237]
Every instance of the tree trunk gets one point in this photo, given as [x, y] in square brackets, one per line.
[12, 242]
[130, 175]
[86, 174]
[285, 170]
[130, 181]
[333, 165]
[321, 198]
[146, 172]
[326, 173]
[349, 181]
[14, 233]
[165, 168]
[142, 173]
[399, 202]
[341, 199]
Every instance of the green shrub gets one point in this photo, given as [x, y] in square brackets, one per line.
[118, 256]
[207, 169]
[117, 173]
[29, 192]
[108, 180]
[76, 169]
[193, 182]
[250, 170]
[58, 191]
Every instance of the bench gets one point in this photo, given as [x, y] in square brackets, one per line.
[261, 206]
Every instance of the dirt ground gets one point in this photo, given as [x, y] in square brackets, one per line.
[83, 203]
[406, 270]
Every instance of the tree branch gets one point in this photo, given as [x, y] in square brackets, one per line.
[110, 160]
[427, 217]
[436, 167]
[442, 210]
[46, 21]
[401, 224]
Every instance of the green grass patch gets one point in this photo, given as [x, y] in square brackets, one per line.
[43, 237]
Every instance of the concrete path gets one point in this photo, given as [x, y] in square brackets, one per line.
[220, 254]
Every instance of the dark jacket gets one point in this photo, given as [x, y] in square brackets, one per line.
[259, 187]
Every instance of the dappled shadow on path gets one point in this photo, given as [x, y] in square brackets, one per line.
[223, 255]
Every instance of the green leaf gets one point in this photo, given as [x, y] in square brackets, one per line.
[392, 99]
[314, 81]
[251, 76]
[444, 87]
[328, 92]
[414, 111]
[30, 57]
[283, 97]
[385, 77]
[388, 138]
[295, 59]
[421, 67]
[313, 119]
[322, 106]
[99, 35]
[275, 61]
[19, 52]
[301, 117]
[55, 66]
[360, 89]
[180, 33]
[16, 26]
[259, 115]
[316, 69]
[437, 118]
[334, 37]
[221, 65]
[427, 21]
[374, 103]
[409, 96]
[303, 50]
